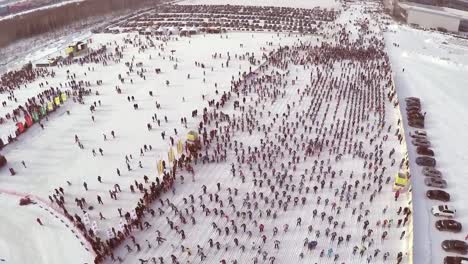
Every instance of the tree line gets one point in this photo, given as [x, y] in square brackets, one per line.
[45, 20]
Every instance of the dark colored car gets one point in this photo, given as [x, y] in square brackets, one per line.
[435, 182]
[426, 161]
[456, 246]
[438, 195]
[455, 260]
[424, 151]
[448, 225]
[431, 172]
[3, 161]
[418, 133]
[421, 142]
[412, 99]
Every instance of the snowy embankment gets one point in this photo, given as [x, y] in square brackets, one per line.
[280, 3]
[51, 156]
[23, 240]
[435, 70]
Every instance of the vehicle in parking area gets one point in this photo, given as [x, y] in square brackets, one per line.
[455, 260]
[448, 225]
[416, 133]
[426, 161]
[421, 150]
[435, 182]
[419, 137]
[416, 124]
[456, 246]
[438, 195]
[443, 210]
[3, 161]
[431, 172]
[421, 142]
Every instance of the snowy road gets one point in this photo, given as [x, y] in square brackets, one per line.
[436, 70]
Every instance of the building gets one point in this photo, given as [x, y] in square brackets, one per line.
[433, 17]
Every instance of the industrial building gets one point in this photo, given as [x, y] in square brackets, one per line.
[433, 17]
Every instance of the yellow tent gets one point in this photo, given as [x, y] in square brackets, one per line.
[192, 135]
[180, 147]
[50, 106]
[64, 97]
[57, 100]
[69, 50]
[171, 155]
[401, 180]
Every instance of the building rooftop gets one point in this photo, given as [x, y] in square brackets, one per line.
[439, 10]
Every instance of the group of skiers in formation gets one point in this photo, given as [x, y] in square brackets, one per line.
[307, 151]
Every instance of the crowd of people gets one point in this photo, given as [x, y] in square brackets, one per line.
[298, 159]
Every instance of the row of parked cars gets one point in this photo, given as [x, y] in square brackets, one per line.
[433, 178]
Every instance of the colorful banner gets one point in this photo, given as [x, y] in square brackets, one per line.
[180, 147]
[43, 111]
[171, 155]
[35, 116]
[160, 167]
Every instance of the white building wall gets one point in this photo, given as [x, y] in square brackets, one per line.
[432, 20]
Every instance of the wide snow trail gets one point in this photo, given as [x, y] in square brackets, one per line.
[283, 106]
[313, 128]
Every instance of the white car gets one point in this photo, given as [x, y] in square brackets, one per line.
[443, 210]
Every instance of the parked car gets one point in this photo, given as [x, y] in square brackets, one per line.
[412, 99]
[425, 151]
[455, 260]
[419, 137]
[421, 133]
[3, 161]
[438, 195]
[448, 225]
[443, 210]
[456, 246]
[416, 123]
[421, 142]
[426, 161]
[435, 182]
[431, 172]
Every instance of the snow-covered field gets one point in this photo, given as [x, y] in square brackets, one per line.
[280, 3]
[286, 105]
[435, 70]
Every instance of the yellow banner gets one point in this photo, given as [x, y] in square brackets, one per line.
[160, 167]
[171, 155]
[180, 147]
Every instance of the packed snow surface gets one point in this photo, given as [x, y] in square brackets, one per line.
[264, 150]
[280, 3]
